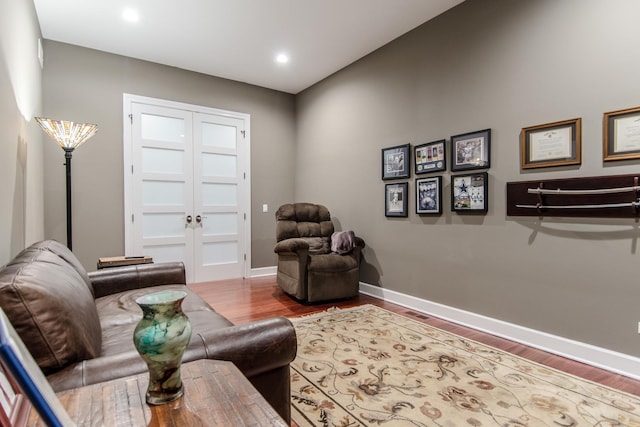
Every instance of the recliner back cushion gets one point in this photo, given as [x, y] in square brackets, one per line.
[308, 221]
[51, 307]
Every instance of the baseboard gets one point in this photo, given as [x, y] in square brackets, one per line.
[264, 271]
[619, 363]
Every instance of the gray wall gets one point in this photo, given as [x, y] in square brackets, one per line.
[87, 85]
[21, 210]
[504, 65]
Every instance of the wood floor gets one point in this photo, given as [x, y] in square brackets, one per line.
[245, 300]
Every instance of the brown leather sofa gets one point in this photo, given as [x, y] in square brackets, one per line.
[79, 326]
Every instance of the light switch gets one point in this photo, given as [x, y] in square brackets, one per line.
[265, 208]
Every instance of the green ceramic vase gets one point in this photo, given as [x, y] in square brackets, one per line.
[161, 337]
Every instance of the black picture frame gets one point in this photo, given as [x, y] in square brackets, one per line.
[429, 195]
[470, 193]
[471, 150]
[551, 144]
[396, 199]
[620, 135]
[396, 162]
[430, 157]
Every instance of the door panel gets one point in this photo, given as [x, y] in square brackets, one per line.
[187, 189]
[162, 185]
[220, 182]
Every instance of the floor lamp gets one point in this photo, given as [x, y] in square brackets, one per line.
[69, 136]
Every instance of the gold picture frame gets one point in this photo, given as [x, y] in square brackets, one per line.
[621, 135]
[551, 144]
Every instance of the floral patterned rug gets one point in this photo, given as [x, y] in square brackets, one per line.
[366, 366]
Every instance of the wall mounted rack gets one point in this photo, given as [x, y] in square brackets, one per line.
[616, 196]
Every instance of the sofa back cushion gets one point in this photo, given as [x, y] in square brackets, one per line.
[50, 305]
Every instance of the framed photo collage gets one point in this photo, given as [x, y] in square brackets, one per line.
[468, 154]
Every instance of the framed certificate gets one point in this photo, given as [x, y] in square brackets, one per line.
[621, 134]
[551, 144]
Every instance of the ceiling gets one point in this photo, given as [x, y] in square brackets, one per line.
[239, 39]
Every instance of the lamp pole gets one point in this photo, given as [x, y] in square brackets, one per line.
[68, 135]
[67, 163]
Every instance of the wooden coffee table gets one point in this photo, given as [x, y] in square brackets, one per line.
[216, 394]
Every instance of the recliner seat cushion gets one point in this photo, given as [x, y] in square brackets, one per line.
[51, 307]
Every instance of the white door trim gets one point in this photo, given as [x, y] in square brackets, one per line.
[127, 148]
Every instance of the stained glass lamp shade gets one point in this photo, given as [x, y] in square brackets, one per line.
[69, 136]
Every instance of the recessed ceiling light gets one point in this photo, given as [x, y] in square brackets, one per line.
[282, 58]
[130, 15]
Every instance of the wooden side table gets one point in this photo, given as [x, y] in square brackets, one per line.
[216, 394]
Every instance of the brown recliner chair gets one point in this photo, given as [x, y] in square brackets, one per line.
[308, 269]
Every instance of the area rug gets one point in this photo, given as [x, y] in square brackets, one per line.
[367, 366]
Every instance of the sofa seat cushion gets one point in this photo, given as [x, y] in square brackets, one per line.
[51, 307]
[119, 315]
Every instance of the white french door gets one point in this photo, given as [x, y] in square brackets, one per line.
[187, 187]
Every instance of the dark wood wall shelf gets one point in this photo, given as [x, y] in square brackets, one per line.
[616, 196]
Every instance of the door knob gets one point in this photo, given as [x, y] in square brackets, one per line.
[198, 219]
[189, 219]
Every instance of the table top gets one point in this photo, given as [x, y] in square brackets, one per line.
[215, 394]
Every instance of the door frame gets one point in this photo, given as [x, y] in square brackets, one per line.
[127, 148]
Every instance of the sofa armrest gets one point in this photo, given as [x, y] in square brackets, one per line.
[261, 350]
[119, 279]
[255, 347]
[291, 245]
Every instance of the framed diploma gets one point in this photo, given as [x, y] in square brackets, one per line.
[551, 144]
[621, 134]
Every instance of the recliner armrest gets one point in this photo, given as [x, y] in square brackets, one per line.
[119, 279]
[291, 245]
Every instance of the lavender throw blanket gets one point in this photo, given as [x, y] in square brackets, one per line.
[343, 242]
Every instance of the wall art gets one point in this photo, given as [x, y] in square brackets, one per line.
[429, 195]
[471, 150]
[551, 144]
[469, 193]
[621, 134]
[430, 157]
[396, 199]
[396, 162]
